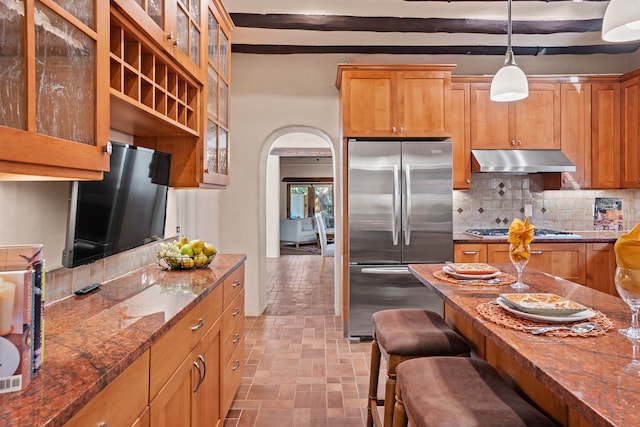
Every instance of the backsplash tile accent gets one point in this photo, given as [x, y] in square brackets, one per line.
[62, 282]
[495, 199]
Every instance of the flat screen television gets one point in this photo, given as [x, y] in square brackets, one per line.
[125, 210]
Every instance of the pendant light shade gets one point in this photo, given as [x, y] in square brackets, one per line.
[621, 21]
[510, 82]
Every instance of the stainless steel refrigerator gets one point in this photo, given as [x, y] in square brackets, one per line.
[400, 212]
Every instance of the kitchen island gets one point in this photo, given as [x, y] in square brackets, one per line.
[133, 327]
[578, 381]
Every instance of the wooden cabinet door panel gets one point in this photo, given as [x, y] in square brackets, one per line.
[605, 135]
[630, 141]
[536, 119]
[172, 406]
[575, 133]
[206, 413]
[368, 103]
[422, 103]
[489, 120]
[461, 143]
[601, 262]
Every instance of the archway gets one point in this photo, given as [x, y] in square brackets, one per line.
[269, 194]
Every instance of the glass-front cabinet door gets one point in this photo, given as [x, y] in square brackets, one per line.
[55, 86]
[216, 147]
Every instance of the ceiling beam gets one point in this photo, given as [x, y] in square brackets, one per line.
[436, 50]
[301, 152]
[385, 24]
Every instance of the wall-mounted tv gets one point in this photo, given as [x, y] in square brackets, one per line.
[125, 210]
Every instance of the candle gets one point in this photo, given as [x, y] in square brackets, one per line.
[7, 295]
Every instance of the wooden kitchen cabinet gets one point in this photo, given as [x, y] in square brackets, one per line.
[601, 262]
[122, 403]
[395, 101]
[605, 135]
[532, 123]
[460, 135]
[178, 26]
[55, 118]
[189, 397]
[232, 357]
[575, 133]
[566, 260]
[630, 138]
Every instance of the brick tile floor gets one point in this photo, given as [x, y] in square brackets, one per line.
[300, 370]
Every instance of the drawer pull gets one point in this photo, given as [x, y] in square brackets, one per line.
[198, 326]
[470, 252]
[537, 252]
[236, 312]
[236, 339]
[236, 366]
[236, 284]
[197, 386]
[102, 424]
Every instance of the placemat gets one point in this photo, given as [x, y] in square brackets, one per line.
[505, 279]
[493, 312]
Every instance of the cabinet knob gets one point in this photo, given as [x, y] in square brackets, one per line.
[170, 36]
[513, 142]
[102, 424]
[519, 142]
[401, 129]
[638, 179]
[394, 129]
[108, 148]
[468, 181]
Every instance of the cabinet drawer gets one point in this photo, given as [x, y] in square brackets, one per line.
[470, 252]
[121, 402]
[232, 286]
[177, 343]
[231, 377]
[232, 328]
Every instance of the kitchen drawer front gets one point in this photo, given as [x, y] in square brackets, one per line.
[121, 402]
[232, 328]
[232, 286]
[177, 343]
[470, 252]
[231, 377]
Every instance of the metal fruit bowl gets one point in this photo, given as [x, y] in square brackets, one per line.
[185, 262]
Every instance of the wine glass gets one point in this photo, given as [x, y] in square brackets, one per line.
[519, 261]
[627, 282]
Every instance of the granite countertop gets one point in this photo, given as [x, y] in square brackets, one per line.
[588, 236]
[595, 376]
[91, 339]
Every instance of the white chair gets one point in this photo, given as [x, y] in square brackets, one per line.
[327, 250]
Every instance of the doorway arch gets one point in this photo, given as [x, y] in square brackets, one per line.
[268, 215]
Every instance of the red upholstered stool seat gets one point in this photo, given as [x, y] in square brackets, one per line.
[403, 334]
[461, 392]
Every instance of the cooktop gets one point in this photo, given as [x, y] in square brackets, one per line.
[499, 233]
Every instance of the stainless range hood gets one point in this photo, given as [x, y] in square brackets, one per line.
[521, 161]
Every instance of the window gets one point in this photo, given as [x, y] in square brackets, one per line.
[306, 196]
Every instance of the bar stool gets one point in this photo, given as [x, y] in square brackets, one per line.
[403, 334]
[459, 391]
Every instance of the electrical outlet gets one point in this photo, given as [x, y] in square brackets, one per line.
[177, 229]
[528, 210]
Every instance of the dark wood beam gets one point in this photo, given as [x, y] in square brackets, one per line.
[385, 24]
[436, 50]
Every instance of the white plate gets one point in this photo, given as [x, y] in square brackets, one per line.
[452, 273]
[9, 358]
[582, 315]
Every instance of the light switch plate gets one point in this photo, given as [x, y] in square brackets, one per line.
[528, 210]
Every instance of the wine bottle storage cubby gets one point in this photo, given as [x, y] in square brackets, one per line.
[150, 82]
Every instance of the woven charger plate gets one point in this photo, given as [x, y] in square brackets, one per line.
[505, 279]
[496, 314]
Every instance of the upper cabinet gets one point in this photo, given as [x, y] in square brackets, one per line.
[54, 108]
[177, 26]
[630, 139]
[575, 118]
[532, 123]
[605, 135]
[395, 101]
[460, 140]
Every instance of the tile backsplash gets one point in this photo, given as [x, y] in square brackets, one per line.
[495, 199]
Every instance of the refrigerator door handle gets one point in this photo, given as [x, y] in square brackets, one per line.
[385, 270]
[396, 205]
[407, 207]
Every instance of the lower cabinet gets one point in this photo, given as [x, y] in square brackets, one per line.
[122, 403]
[187, 399]
[232, 355]
[590, 264]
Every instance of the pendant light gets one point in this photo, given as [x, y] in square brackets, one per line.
[621, 21]
[510, 82]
